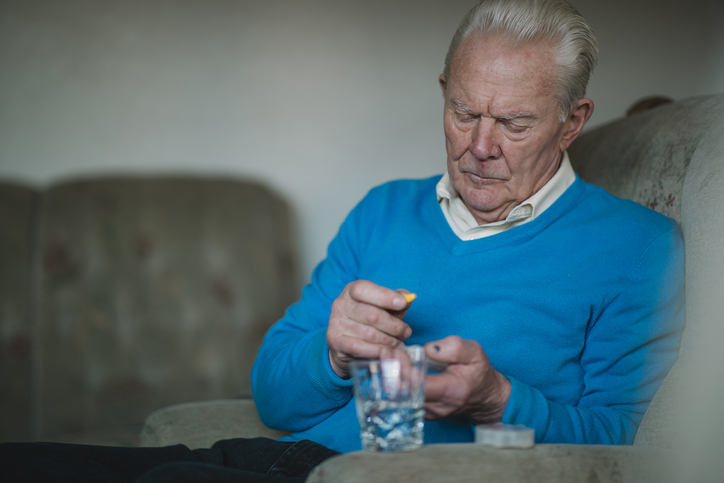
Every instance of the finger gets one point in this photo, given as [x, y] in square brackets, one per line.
[409, 297]
[455, 350]
[366, 292]
[380, 333]
[361, 349]
[346, 349]
[371, 316]
[434, 412]
[437, 397]
[447, 393]
[437, 387]
[412, 372]
[387, 352]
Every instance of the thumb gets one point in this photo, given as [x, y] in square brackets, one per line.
[454, 350]
[409, 297]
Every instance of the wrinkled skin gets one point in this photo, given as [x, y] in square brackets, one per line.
[504, 141]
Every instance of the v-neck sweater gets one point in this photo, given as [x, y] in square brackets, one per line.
[581, 309]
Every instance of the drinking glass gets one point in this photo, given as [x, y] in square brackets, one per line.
[390, 396]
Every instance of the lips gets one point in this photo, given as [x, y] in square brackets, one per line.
[479, 176]
[476, 178]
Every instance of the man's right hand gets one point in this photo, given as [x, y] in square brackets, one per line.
[365, 323]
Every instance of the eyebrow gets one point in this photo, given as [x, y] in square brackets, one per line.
[516, 115]
[461, 106]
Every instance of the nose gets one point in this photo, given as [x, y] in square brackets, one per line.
[484, 143]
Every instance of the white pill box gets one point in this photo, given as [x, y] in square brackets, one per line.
[501, 435]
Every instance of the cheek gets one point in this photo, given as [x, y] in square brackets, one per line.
[456, 141]
[528, 161]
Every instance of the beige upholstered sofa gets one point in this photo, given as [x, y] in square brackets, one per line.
[121, 295]
[670, 159]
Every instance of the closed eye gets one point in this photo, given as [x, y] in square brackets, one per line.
[513, 127]
[465, 117]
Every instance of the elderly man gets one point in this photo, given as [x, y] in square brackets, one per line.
[554, 304]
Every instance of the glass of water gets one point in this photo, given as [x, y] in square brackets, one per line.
[390, 398]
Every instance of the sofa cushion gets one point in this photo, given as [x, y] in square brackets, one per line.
[201, 424]
[463, 463]
[154, 291]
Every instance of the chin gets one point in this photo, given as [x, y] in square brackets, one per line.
[477, 201]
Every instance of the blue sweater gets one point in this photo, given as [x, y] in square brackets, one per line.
[581, 309]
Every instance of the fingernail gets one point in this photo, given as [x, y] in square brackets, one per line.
[408, 332]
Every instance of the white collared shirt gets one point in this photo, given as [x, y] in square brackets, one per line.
[466, 227]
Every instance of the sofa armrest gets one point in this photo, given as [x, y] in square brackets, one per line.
[559, 463]
[201, 424]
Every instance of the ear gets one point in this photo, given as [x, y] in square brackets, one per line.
[443, 83]
[578, 117]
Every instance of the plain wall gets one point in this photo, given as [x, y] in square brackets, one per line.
[321, 100]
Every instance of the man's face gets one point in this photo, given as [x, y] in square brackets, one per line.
[503, 134]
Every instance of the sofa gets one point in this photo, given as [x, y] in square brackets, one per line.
[120, 295]
[669, 158]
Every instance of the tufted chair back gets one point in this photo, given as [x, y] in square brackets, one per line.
[670, 159]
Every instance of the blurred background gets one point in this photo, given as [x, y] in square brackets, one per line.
[316, 101]
[320, 100]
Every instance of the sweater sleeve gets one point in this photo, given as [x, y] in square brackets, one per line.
[630, 346]
[293, 383]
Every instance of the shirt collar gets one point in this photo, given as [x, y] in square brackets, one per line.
[461, 219]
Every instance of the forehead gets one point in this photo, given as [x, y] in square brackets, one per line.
[491, 72]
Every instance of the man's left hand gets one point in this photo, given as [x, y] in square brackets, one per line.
[469, 387]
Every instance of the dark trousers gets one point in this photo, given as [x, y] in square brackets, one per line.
[258, 460]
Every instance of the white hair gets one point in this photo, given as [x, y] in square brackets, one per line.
[522, 22]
